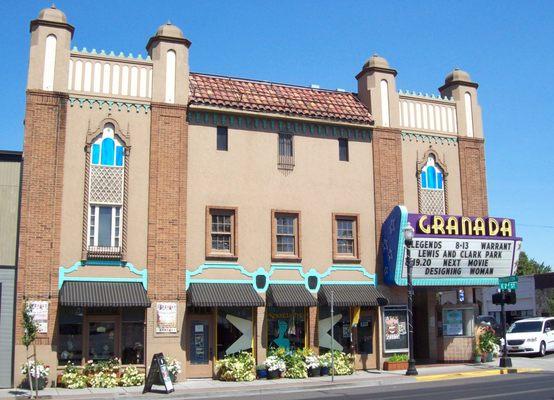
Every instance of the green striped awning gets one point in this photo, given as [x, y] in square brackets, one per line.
[223, 295]
[351, 295]
[103, 294]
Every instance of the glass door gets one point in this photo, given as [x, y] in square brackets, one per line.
[199, 346]
[103, 343]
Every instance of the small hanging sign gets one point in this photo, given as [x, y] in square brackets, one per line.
[158, 375]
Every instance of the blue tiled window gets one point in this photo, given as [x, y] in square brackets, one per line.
[432, 175]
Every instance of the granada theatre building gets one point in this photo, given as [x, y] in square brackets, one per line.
[196, 215]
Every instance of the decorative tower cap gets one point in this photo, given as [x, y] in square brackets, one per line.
[457, 75]
[170, 30]
[52, 14]
[376, 61]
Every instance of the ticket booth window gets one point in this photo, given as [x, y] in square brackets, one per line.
[457, 321]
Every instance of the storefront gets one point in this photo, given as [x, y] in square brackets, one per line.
[451, 256]
[98, 321]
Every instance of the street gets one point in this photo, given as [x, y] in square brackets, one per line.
[532, 386]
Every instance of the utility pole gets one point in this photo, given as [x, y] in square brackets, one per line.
[332, 336]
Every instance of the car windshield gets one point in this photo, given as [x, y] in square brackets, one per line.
[521, 327]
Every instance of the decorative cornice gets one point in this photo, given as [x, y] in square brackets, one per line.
[111, 104]
[121, 56]
[426, 138]
[213, 118]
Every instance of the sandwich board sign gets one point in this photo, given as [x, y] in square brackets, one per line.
[158, 375]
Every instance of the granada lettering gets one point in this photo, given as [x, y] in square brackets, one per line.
[464, 226]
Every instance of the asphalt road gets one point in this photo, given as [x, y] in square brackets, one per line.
[530, 386]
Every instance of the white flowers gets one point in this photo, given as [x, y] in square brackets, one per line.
[274, 363]
[173, 366]
[312, 362]
[35, 370]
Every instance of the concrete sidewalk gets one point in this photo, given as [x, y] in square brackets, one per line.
[206, 388]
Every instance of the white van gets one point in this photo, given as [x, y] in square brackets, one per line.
[531, 336]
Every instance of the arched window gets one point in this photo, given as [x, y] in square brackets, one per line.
[105, 194]
[432, 199]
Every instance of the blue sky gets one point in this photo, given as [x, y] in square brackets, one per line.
[505, 46]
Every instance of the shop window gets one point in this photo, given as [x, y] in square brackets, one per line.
[432, 198]
[234, 331]
[341, 329]
[286, 327]
[70, 335]
[345, 237]
[285, 235]
[457, 321]
[102, 340]
[395, 329]
[132, 336]
[221, 232]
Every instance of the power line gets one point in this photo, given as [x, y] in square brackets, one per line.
[537, 226]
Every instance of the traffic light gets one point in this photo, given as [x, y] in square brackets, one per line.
[506, 297]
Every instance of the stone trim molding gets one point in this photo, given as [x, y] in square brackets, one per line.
[111, 104]
[431, 139]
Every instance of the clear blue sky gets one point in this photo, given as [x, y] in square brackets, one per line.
[506, 47]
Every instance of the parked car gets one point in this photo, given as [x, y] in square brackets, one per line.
[489, 320]
[531, 336]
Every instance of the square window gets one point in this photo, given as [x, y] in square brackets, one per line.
[221, 232]
[345, 237]
[285, 241]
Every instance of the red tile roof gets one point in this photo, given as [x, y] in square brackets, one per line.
[279, 98]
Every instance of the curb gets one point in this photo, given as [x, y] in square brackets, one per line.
[475, 374]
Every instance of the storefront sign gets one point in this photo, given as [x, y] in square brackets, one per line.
[39, 311]
[450, 250]
[395, 329]
[166, 317]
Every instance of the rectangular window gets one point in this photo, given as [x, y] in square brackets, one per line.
[221, 232]
[222, 138]
[345, 237]
[105, 226]
[285, 235]
[343, 149]
[286, 327]
[286, 152]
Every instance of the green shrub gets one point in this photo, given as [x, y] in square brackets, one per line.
[236, 367]
[73, 378]
[398, 358]
[132, 377]
[296, 365]
[343, 363]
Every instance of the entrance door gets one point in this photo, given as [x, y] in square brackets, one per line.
[199, 346]
[365, 345]
[102, 338]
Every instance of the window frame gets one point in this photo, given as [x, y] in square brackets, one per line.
[233, 248]
[285, 162]
[114, 236]
[345, 142]
[226, 130]
[343, 257]
[277, 256]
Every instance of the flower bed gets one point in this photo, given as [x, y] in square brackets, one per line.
[37, 372]
[237, 367]
[396, 362]
[102, 374]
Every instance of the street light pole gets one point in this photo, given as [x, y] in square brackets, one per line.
[505, 361]
[408, 241]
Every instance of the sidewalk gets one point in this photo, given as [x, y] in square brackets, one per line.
[196, 388]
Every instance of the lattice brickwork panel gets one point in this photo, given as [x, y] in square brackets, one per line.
[106, 185]
[431, 201]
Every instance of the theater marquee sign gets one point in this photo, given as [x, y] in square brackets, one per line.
[450, 250]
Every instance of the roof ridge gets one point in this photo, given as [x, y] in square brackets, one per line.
[271, 83]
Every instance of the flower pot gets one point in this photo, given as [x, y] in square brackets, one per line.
[395, 366]
[314, 372]
[324, 371]
[489, 357]
[42, 382]
[261, 373]
[477, 359]
[275, 374]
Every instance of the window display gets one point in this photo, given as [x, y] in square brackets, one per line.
[132, 336]
[70, 330]
[395, 328]
[342, 335]
[286, 327]
[234, 331]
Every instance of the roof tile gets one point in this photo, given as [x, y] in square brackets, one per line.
[278, 98]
